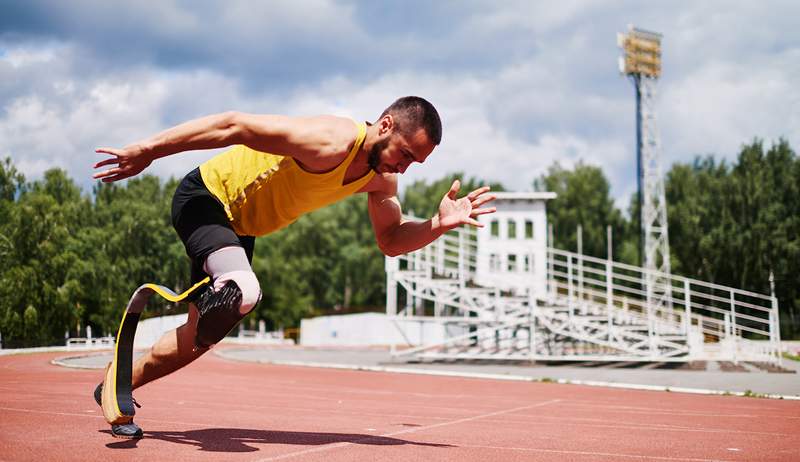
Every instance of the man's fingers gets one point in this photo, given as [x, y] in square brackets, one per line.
[107, 173]
[471, 196]
[111, 179]
[477, 212]
[110, 161]
[473, 222]
[112, 151]
[454, 189]
[482, 200]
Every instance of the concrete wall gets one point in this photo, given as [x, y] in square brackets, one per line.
[150, 330]
[363, 329]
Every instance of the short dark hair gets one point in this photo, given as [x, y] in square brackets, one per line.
[411, 113]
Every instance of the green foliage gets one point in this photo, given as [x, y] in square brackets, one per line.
[583, 199]
[791, 356]
[325, 261]
[422, 199]
[70, 260]
[728, 224]
[733, 225]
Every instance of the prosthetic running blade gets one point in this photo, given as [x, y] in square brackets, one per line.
[117, 401]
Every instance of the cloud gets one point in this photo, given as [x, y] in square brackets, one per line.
[722, 105]
[519, 84]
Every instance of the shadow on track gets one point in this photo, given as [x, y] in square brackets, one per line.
[239, 439]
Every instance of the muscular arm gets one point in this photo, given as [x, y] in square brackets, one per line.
[396, 236]
[306, 138]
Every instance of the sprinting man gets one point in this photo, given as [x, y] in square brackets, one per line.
[280, 168]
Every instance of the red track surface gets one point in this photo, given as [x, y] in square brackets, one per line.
[220, 410]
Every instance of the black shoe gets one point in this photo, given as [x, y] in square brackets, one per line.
[127, 431]
[98, 395]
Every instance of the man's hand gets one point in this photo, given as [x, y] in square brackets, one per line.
[456, 212]
[129, 161]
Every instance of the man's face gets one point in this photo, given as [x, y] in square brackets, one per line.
[396, 152]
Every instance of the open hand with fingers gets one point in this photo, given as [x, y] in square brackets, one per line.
[456, 212]
[129, 161]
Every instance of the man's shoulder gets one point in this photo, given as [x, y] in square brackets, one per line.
[339, 132]
[382, 183]
[332, 124]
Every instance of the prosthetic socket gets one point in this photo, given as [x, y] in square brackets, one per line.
[219, 313]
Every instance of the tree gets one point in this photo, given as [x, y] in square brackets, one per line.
[325, 261]
[583, 199]
[42, 220]
[733, 225]
[422, 199]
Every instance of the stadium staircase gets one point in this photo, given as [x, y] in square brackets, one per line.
[591, 310]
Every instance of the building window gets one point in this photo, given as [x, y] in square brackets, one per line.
[495, 228]
[528, 265]
[494, 262]
[528, 229]
[512, 229]
[512, 263]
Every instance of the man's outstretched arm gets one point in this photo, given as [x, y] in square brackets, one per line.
[300, 137]
[397, 236]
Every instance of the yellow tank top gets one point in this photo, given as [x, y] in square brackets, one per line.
[264, 192]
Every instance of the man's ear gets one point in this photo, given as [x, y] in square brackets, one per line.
[386, 124]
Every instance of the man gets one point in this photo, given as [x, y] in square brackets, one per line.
[280, 168]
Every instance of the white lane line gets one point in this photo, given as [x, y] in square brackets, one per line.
[138, 419]
[646, 427]
[509, 377]
[367, 438]
[677, 412]
[34, 411]
[299, 409]
[613, 455]
[592, 423]
[402, 432]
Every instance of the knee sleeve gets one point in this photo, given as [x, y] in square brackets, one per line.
[247, 283]
[234, 294]
[222, 306]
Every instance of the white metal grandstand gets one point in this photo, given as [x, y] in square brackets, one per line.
[501, 293]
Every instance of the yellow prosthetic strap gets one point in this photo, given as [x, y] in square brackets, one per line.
[118, 407]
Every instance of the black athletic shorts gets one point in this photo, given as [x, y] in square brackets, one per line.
[202, 225]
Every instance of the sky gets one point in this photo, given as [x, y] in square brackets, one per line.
[519, 85]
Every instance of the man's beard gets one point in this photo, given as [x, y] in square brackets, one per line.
[374, 157]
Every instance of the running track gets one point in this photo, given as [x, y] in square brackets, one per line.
[217, 410]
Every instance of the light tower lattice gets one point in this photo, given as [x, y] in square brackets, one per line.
[642, 63]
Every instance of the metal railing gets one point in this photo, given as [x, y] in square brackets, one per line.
[709, 319]
[703, 312]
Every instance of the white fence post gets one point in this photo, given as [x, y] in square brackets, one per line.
[734, 337]
[609, 295]
[580, 263]
[775, 318]
[570, 288]
[687, 296]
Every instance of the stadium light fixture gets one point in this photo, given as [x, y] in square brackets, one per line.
[642, 50]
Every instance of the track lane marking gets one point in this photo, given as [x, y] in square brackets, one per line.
[598, 423]
[403, 432]
[592, 453]
[652, 427]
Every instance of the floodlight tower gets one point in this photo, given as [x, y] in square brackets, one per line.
[642, 63]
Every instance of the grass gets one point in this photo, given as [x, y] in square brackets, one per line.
[747, 393]
[791, 356]
[752, 394]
